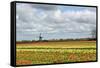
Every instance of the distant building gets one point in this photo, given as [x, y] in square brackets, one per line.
[40, 37]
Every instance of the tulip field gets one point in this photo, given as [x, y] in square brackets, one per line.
[55, 52]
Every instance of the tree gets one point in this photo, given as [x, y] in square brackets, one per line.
[93, 32]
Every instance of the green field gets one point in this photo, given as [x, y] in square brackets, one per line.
[55, 52]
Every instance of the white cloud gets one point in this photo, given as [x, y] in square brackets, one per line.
[35, 19]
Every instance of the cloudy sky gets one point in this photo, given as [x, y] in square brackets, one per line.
[54, 21]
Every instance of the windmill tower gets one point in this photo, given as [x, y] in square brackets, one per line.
[40, 37]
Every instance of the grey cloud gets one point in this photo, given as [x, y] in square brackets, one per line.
[30, 21]
[44, 7]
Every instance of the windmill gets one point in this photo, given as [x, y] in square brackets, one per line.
[40, 37]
